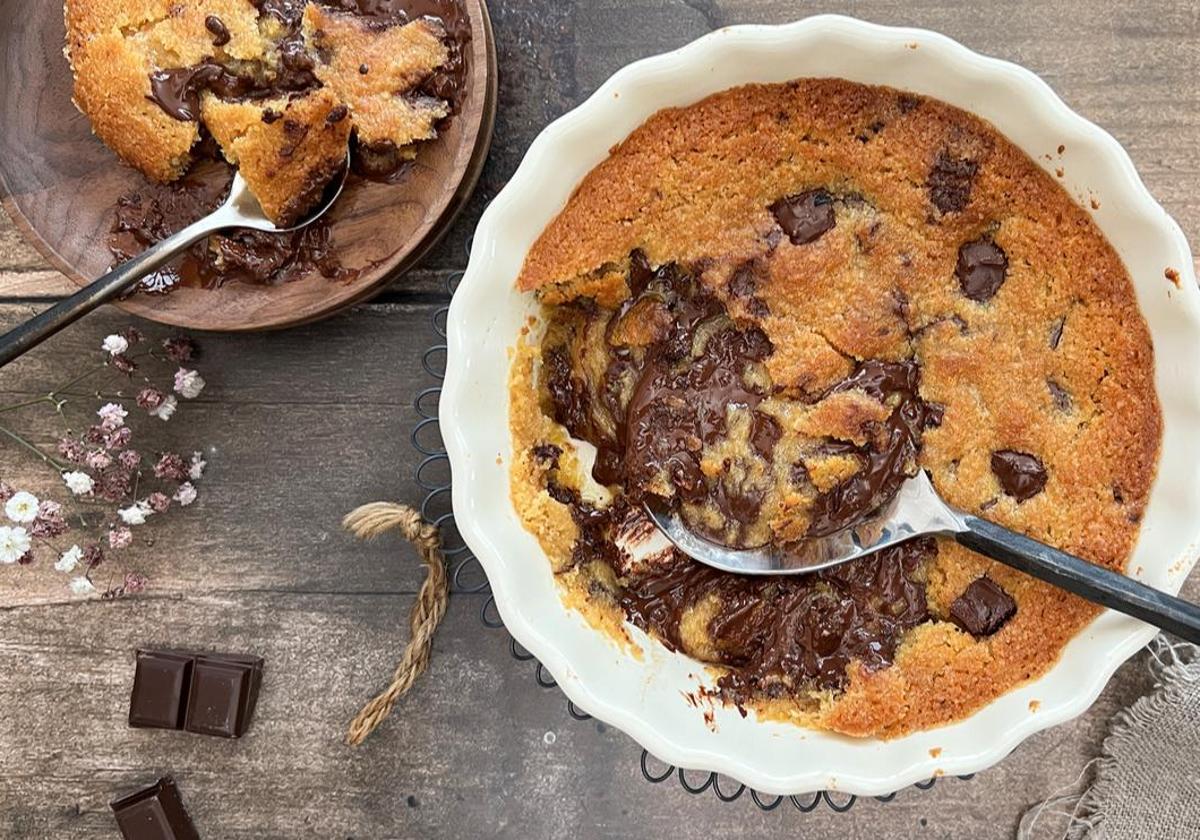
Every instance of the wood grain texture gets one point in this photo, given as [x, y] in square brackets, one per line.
[309, 422]
[60, 185]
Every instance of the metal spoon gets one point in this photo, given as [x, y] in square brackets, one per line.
[240, 210]
[917, 509]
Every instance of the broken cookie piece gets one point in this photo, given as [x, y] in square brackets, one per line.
[287, 150]
[278, 83]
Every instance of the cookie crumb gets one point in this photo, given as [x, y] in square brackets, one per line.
[1172, 275]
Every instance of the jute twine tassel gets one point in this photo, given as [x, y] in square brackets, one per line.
[368, 522]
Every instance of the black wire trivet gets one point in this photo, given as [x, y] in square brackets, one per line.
[467, 576]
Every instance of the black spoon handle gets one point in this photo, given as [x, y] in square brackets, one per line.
[121, 279]
[1096, 583]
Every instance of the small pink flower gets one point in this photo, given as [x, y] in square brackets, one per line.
[188, 383]
[164, 411]
[123, 363]
[150, 398]
[93, 556]
[130, 459]
[26, 559]
[119, 439]
[112, 416]
[132, 335]
[158, 502]
[120, 538]
[49, 522]
[6, 492]
[186, 494]
[134, 583]
[113, 485]
[171, 467]
[98, 460]
[95, 434]
[71, 449]
[181, 348]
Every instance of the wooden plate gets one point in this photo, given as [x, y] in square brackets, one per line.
[60, 184]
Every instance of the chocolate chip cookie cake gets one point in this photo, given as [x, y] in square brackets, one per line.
[281, 85]
[771, 307]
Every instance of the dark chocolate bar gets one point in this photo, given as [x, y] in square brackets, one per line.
[156, 813]
[211, 694]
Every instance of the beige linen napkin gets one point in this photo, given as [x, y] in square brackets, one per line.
[1146, 782]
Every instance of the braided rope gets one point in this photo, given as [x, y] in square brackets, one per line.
[368, 522]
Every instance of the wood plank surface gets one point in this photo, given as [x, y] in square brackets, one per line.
[301, 426]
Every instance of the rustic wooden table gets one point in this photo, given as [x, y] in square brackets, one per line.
[303, 425]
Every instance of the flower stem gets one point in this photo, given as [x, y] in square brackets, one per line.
[53, 462]
[46, 398]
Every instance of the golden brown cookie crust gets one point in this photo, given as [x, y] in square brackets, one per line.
[114, 46]
[693, 185]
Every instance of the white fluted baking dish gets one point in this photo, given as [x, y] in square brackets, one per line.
[646, 696]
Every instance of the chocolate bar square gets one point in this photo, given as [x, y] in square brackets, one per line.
[160, 688]
[156, 813]
[219, 696]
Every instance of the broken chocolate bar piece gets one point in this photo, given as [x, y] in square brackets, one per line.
[983, 608]
[156, 813]
[210, 694]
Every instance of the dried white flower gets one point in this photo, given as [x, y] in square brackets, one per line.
[112, 415]
[166, 408]
[135, 514]
[186, 494]
[14, 543]
[69, 559]
[189, 383]
[196, 468]
[78, 482]
[114, 345]
[21, 507]
[82, 586]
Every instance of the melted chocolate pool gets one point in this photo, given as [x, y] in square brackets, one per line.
[155, 211]
[674, 363]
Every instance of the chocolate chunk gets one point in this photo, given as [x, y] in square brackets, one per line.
[177, 91]
[765, 432]
[950, 181]
[336, 114]
[744, 282]
[934, 414]
[160, 687]
[982, 267]
[218, 29]
[223, 694]
[1062, 400]
[640, 272]
[1021, 475]
[547, 453]
[806, 216]
[211, 694]
[156, 813]
[270, 115]
[1056, 331]
[983, 608]
[363, 69]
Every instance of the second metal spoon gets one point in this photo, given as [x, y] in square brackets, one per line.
[239, 210]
